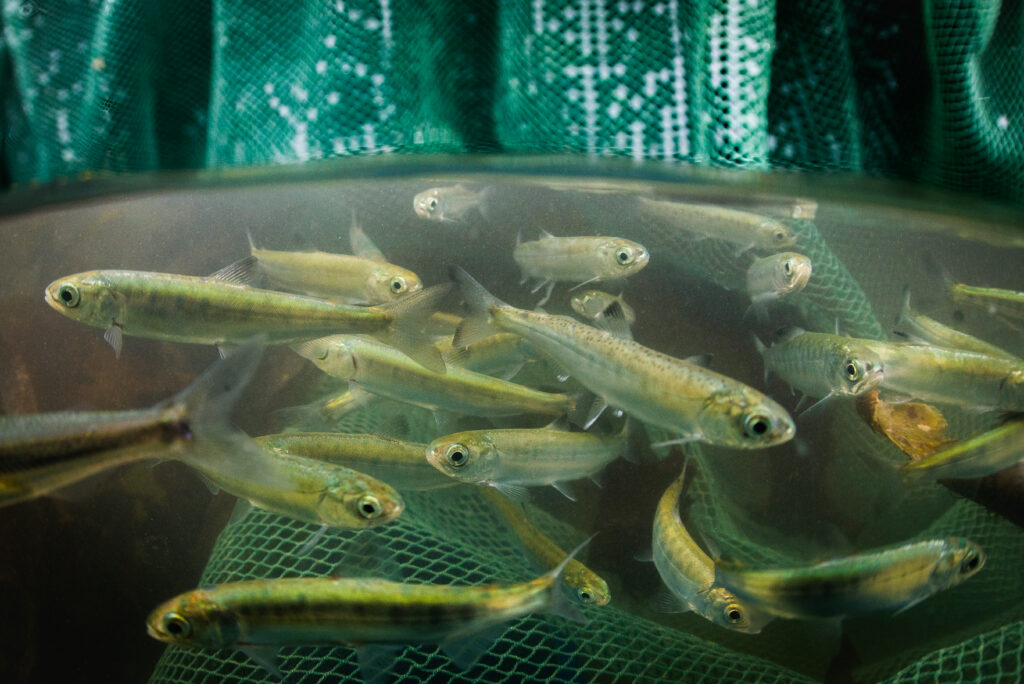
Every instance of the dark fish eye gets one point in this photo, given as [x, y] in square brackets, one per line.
[585, 595]
[432, 203]
[780, 235]
[369, 507]
[457, 455]
[734, 614]
[397, 284]
[970, 563]
[69, 295]
[787, 267]
[624, 256]
[756, 425]
[176, 625]
[853, 370]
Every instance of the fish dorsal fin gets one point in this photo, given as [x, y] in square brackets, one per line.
[613, 321]
[788, 333]
[360, 244]
[245, 271]
[702, 360]
[545, 235]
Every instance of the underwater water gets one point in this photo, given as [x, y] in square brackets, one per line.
[84, 568]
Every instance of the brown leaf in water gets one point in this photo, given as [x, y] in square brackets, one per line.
[919, 430]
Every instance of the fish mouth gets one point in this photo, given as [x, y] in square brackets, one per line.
[872, 379]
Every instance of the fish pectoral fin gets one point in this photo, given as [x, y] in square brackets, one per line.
[311, 542]
[596, 409]
[644, 556]
[818, 404]
[239, 512]
[114, 336]
[265, 657]
[911, 604]
[225, 350]
[365, 556]
[514, 492]
[465, 648]
[685, 439]
[664, 601]
[376, 660]
[702, 360]
[210, 485]
[566, 490]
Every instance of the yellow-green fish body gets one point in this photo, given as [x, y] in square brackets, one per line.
[353, 279]
[1004, 304]
[671, 393]
[893, 578]
[920, 327]
[585, 585]
[386, 372]
[984, 454]
[203, 310]
[689, 573]
[821, 364]
[579, 259]
[951, 376]
[494, 355]
[742, 228]
[523, 457]
[303, 488]
[41, 453]
[778, 275]
[401, 464]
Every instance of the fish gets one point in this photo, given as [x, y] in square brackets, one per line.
[400, 464]
[921, 329]
[344, 277]
[258, 616]
[594, 304]
[204, 310]
[776, 276]
[951, 376]
[501, 355]
[360, 244]
[689, 573]
[892, 578]
[822, 364]
[378, 369]
[582, 260]
[512, 459]
[44, 452]
[305, 489]
[584, 585]
[677, 395]
[989, 452]
[742, 228]
[1005, 305]
[451, 204]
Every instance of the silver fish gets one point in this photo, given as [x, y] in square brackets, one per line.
[451, 204]
[776, 276]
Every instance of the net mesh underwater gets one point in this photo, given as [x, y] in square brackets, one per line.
[930, 94]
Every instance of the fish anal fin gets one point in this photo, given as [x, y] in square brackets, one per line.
[566, 490]
[265, 657]
[466, 648]
[376, 660]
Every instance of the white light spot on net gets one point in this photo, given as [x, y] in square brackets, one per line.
[312, 113]
[569, 13]
[377, 80]
[572, 71]
[360, 69]
[330, 41]
[299, 93]
[274, 102]
[372, 24]
[44, 78]
[549, 76]
[788, 151]
[321, 67]
[632, 35]
[553, 25]
[269, 89]
[659, 9]
[354, 15]
[285, 111]
[63, 95]
[617, 24]
[636, 102]
[338, 146]
[531, 88]
[619, 69]
[573, 94]
[1003, 122]
[333, 98]
[63, 128]
[620, 92]
[67, 155]
[339, 6]
[773, 143]
[614, 109]
[569, 36]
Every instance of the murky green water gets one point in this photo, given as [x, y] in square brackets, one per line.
[82, 571]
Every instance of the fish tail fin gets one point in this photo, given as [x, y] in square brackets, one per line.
[410, 316]
[207, 403]
[561, 604]
[477, 325]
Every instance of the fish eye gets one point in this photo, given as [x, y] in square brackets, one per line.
[734, 614]
[369, 507]
[853, 370]
[398, 284]
[970, 563]
[585, 595]
[780, 235]
[625, 256]
[432, 203]
[757, 425]
[69, 295]
[457, 455]
[787, 267]
[176, 625]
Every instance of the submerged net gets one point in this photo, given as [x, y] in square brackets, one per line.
[931, 92]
